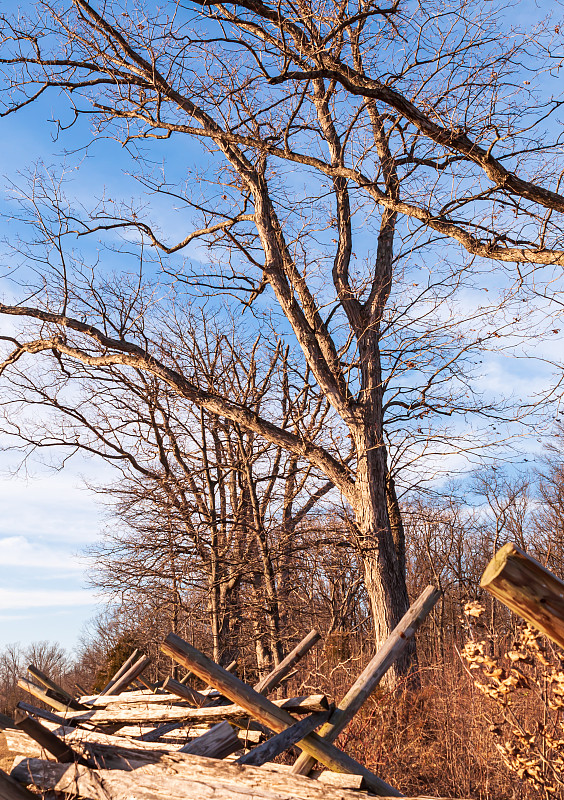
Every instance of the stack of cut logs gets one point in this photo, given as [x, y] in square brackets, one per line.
[137, 740]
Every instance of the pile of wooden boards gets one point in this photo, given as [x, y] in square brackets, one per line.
[177, 742]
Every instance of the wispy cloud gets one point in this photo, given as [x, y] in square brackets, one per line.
[19, 551]
[18, 599]
[51, 508]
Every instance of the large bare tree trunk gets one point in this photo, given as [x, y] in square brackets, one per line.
[384, 578]
[383, 561]
[408, 661]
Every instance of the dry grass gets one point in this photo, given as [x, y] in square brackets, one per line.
[433, 741]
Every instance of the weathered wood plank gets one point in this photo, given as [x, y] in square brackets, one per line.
[340, 779]
[114, 752]
[46, 695]
[282, 741]
[121, 671]
[77, 738]
[42, 713]
[10, 789]
[20, 743]
[156, 733]
[528, 589]
[59, 693]
[371, 676]
[219, 742]
[45, 738]
[185, 691]
[177, 777]
[129, 676]
[167, 727]
[269, 714]
[150, 713]
[132, 698]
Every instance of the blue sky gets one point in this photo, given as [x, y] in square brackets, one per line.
[49, 517]
[45, 521]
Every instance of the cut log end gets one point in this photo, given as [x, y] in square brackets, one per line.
[529, 589]
[498, 562]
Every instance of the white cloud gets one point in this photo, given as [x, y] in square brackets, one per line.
[50, 508]
[19, 551]
[18, 599]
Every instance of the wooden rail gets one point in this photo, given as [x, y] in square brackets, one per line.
[129, 675]
[266, 712]
[177, 777]
[367, 682]
[528, 589]
[135, 713]
[282, 741]
[185, 692]
[46, 695]
[43, 736]
[121, 671]
[58, 691]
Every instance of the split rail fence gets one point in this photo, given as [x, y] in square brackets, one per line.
[134, 740]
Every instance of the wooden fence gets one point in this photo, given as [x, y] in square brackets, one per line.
[175, 741]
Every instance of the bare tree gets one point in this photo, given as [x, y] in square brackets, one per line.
[15, 658]
[366, 166]
[206, 512]
[548, 516]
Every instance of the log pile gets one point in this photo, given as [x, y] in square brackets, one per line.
[175, 741]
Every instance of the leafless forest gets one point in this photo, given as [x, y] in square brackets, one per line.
[311, 326]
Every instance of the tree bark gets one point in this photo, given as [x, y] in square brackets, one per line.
[384, 571]
[407, 662]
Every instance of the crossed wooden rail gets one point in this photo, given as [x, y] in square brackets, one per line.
[119, 763]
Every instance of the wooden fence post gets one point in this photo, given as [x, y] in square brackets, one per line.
[369, 679]
[528, 589]
[275, 718]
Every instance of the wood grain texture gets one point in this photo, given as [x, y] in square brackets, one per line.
[134, 697]
[185, 692]
[179, 777]
[46, 739]
[59, 692]
[46, 695]
[266, 712]
[526, 587]
[153, 713]
[219, 742]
